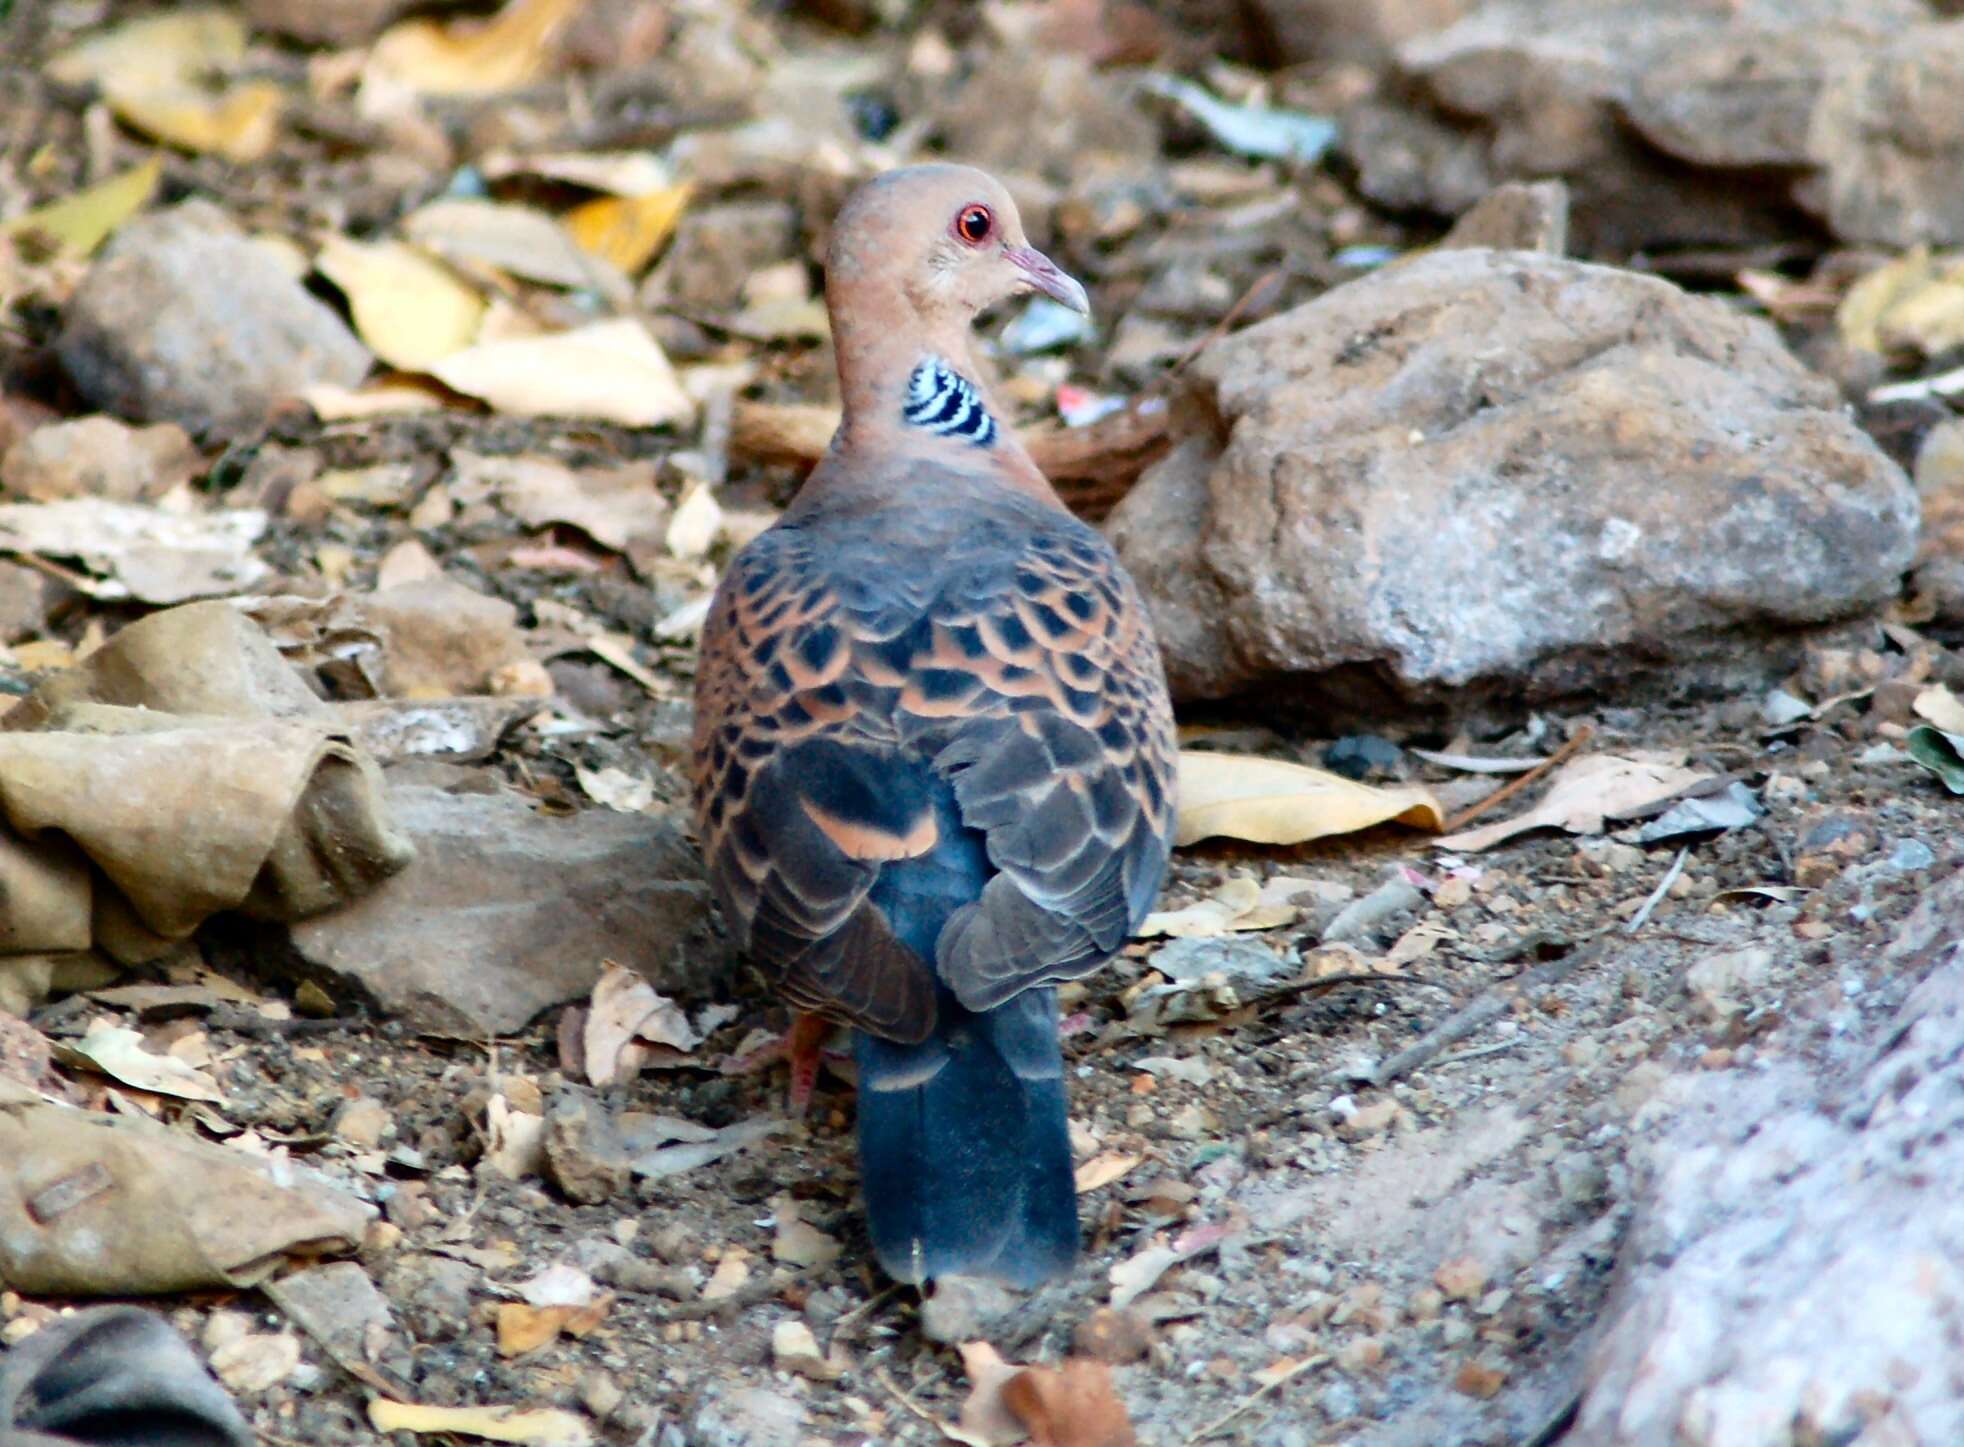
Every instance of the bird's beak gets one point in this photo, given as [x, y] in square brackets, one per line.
[1040, 273]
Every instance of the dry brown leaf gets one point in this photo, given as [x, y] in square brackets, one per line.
[1103, 1169]
[627, 231]
[1580, 794]
[728, 1278]
[611, 370]
[472, 57]
[412, 311]
[525, 1328]
[797, 1242]
[1239, 904]
[120, 1054]
[537, 1426]
[506, 237]
[154, 73]
[1074, 1405]
[617, 173]
[1270, 801]
[137, 551]
[383, 397]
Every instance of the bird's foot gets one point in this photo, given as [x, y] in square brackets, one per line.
[802, 1047]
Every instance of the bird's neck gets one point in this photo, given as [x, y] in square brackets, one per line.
[916, 390]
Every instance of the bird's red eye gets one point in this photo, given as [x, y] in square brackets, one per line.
[974, 224]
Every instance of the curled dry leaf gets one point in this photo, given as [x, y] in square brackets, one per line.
[1581, 793]
[1237, 905]
[120, 1054]
[1074, 1405]
[412, 311]
[1270, 801]
[1102, 1170]
[626, 1009]
[610, 370]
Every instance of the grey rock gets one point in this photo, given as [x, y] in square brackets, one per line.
[435, 1295]
[1888, 137]
[747, 1417]
[1498, 475]
[1305, 30]
[1792, 1272]
[507, 912]
[184, 319]
[98, 457]
[324, 22]
[1518, 216]
[1678, 122]
[27, 597]
[717, 248]
[585, 1156]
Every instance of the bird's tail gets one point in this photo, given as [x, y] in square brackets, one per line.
[964, 1148]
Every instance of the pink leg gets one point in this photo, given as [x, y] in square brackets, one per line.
[802, 1047]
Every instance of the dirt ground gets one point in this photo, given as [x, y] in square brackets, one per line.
[1413, 1262]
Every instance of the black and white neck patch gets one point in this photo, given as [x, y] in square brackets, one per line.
[946, 403]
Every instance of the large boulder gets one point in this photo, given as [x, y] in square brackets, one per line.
[1792, 1271]
[1680, 122]
[1505, 476]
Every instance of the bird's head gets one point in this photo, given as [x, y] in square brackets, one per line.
[946, 240]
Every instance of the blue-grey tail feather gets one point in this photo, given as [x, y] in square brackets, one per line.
[965, 1156]
[964, 1143]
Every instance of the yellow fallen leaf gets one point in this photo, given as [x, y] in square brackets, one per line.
[1270, 801]
[539, 1426]
[1914, 303]
[412, 311]
[80, 223]
[628, 230]
[156, 72]
[611, 370]
[511, 49]
[154, 51]
[240, 123]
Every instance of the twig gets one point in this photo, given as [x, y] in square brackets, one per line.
[1507, 791]
[1670, 878]
[849, 1322]
[1489, 1005]
[1331, 982]
[900, 1396]
[744, 1296]
[1266, 1387]
[1233, 314]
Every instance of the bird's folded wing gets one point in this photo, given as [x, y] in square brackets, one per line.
[1024, 675]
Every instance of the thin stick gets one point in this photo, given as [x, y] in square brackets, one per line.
[1214, 333]
[849, 1323]
[1507, 791]
[1670, 878]
[1489, 1005]
[1266, 1387]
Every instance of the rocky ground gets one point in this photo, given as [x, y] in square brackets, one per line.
[1634, 1127]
